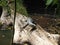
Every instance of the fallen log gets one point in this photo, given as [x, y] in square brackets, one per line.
[35, 35]
[24, 32]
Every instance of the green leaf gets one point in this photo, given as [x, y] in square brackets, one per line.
[21, 8]
[3, 3]
[55, 2]
[48, 2]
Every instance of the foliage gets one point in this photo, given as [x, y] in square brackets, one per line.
[3, 3]
[48, 2]
[52, 3]
[20, 7]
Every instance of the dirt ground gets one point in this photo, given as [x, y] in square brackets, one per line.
[50, 24]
